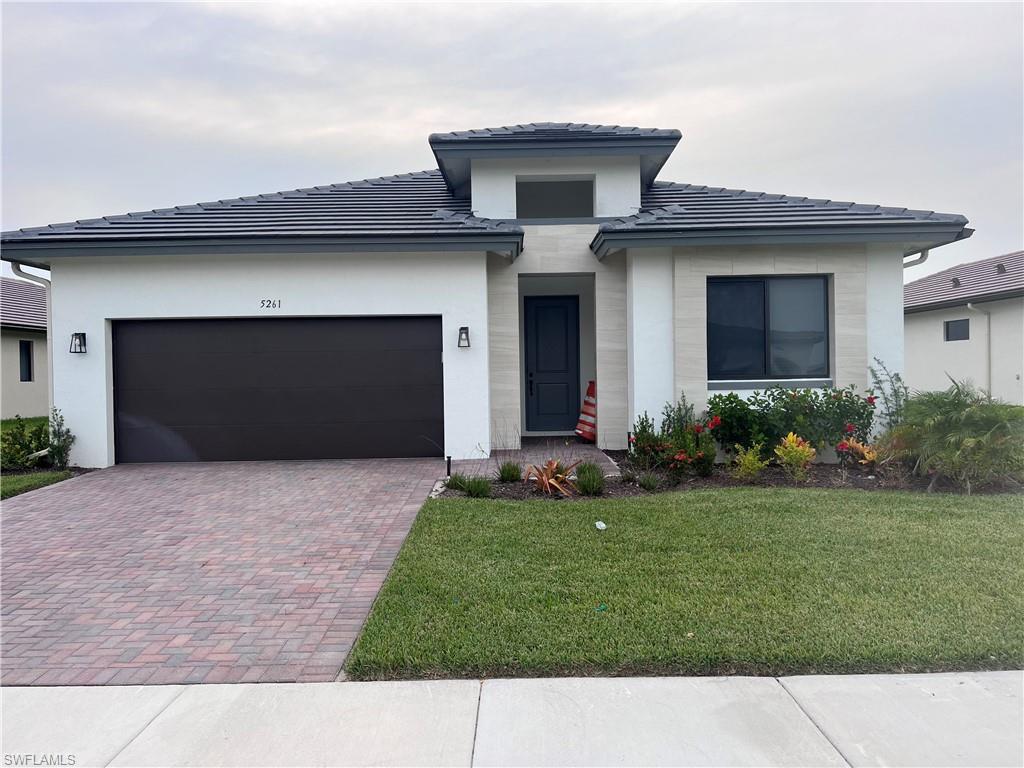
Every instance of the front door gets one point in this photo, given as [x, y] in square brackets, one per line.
[552, 349]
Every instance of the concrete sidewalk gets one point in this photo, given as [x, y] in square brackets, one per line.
[938, 720]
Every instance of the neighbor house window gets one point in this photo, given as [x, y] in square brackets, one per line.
[768, 328]
[555, 199]
[958, 330]
[25, 355]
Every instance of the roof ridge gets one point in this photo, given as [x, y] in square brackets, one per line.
[963, 264]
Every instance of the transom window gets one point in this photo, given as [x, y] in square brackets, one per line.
[554, 198]
[768, 327]
[957, 330]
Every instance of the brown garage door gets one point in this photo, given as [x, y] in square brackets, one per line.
[288, 388]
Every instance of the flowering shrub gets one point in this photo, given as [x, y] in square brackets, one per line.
[684, 444]
[823, 416]
[795, 454]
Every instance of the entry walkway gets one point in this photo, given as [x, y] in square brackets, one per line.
[937, 720]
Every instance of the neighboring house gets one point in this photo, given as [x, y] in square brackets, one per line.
[967, 322]
[23, 365]
[453, 311]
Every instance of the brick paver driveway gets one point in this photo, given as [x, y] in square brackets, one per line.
[191, 573]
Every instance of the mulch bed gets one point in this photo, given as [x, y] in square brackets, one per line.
[819, 476]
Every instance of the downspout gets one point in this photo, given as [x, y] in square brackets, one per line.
[988, 344]
[919, 260]
[17, 269]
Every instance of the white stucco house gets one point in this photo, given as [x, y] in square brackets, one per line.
[454, 311]
[24, 389]
[967, 323]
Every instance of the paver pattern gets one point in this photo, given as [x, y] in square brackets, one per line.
[537, 450]
[200, 573]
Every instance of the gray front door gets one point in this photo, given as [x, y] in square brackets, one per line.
[552, 350]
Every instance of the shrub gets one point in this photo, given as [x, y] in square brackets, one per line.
[961, 434]
[890, 388]
[677, 418]
[61, 440]
[590, 479]
[822, 416]
[510, 472]
[457, 482]
[20, 440]
[694, 450]
[795, 454]
[477, 487]
[749, 463]
[645, 444]
[648, 481]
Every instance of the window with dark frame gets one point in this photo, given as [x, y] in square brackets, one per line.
[768, 327]
[555, 199]
[957, 330]
[25, 357]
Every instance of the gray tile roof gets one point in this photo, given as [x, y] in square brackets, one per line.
[973, 281]
[22, 304]
[533, 132]
[408, 205]
[700, 212]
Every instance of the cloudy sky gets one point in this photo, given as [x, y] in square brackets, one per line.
[115, 108]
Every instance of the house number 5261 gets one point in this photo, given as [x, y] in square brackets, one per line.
[270, 303]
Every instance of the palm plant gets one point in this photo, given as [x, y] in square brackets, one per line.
[961, 434]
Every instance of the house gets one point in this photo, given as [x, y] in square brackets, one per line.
[967, 322]
[454, 311]
[23, 355]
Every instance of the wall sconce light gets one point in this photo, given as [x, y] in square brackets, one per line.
[464, 336]
[77, 342]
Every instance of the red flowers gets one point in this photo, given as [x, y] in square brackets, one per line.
[871, 399]
[632, 438]
[851, 428]
[843, 447]
[698, 428]
[715, 421]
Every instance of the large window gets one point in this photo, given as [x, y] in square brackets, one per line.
[767, 328]
[25, 358]
[555, 199]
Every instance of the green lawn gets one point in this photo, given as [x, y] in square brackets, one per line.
[30, 422]
[12, 485]
[749, 581]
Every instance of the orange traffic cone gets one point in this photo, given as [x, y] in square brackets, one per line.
[587, 425]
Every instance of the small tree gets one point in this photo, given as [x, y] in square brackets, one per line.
[61, 440]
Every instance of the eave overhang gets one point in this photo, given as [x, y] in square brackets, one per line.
[963, 301]
[39, 251]
[932, 234]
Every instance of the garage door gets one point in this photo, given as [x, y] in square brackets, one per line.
[289, 388]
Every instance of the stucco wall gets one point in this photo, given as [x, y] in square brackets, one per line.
[23, 398]
[616, 182]
[854, 339]
[930, 358]
[90, 291]
[554, 250]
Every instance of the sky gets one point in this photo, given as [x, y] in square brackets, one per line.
[110, 108]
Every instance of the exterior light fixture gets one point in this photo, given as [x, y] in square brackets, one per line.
[464, 336]
[77, 342]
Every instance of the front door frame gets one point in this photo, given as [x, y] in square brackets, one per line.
[529, 347]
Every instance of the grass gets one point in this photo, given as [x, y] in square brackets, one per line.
[30, 422]
[12, 485]
[722, 581]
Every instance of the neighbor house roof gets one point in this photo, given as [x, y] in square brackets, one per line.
[1000, 277]
[370, 214]
[455, 150]
[22, 304]
[688, 214]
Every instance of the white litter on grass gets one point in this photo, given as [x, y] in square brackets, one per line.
[600, 525]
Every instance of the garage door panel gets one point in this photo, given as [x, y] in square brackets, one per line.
[275, 405]
[283, 369]
[278, 388]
